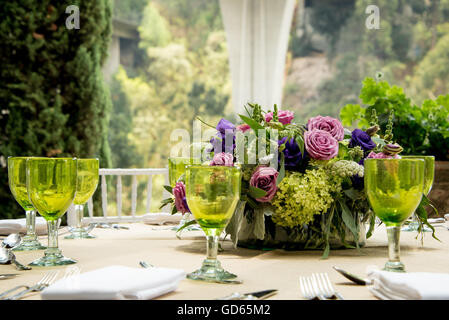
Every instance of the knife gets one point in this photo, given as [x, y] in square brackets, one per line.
[7, 276]
[258, 295]
[353, 277]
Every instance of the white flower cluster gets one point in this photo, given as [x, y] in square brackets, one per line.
[346, 168]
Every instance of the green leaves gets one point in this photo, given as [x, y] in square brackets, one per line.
[281, 170]
[256, 192]
[350, 113]
[252, 123]
[349, 220]
[421, 214]
[169, 189]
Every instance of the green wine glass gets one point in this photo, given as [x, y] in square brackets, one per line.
[429, 173]
[212, 194]
[87, 182]
[394, 189]
[176, 169]
[51, 185]
[18, 187]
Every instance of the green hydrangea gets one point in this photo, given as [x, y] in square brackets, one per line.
[346, 168]
[302, 196]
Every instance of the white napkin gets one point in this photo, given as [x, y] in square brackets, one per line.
[161, 218]
[8, 226]
[409, 286]
[115, 283]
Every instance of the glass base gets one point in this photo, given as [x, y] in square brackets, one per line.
[52, 259]
[189, 228]
[211, 271]
[79, 235]
[28, 245]
[394, 266]
[414, 226]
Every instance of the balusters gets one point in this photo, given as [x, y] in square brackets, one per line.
[119, 196]
[149, 192]
[134, 196]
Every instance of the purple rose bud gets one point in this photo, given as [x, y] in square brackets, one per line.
[223, 159]
[284, 116]
[362, 139]
[381, 155]
[179, 191]
[320, 145]
[265, 178]
[329, 124]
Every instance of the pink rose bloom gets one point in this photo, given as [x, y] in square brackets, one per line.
[179, 191]
[381, 155]
[284, 116]
[329, 124]
[320, 144]
[223, 159]
[243, 127]
[265, 178]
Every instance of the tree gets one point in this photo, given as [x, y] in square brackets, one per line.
[53, 99]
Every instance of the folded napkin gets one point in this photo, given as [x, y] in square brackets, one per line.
[115, 283]
[409, 286]
[161, 218]
[8, 226]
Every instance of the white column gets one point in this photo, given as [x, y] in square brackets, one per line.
[257, 33]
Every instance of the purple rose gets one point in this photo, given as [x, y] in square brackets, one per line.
[292, 153]
[321, 145]
[362, 139]
[329, 124]
[265, 178]
[223, 159]
[225, 129]
[284, 116]
[179, 191]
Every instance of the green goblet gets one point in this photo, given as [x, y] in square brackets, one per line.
[212, 194]
[17, 184]
[87, 182]
[176, 169]
[394, 189]
[51, 185]
[429, 173]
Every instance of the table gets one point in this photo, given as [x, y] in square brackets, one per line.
[259, 270]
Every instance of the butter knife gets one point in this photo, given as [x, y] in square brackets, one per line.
[258, 295]
[356, 279]
[7, 276]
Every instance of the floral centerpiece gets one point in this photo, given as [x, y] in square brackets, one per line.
[302, 185]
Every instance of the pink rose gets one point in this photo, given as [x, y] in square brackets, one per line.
[329, 124]
[223, 159]
[381, 155]
[179, 191]
[243, 127]
[284, 116]
[320, 144]
[265, 178]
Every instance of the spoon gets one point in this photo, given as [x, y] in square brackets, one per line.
[12, 241]
[4, 256]
[356, 279]
[147, 265]
[19, 266]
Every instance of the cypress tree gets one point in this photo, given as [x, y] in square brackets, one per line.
[53, 100]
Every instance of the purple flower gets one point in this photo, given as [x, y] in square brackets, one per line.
[225, 130]
[243, 127]
[292, 153]
[179, 191]
[329, 124]
[284, 116]
[265, 178]
[362, 139]
[223, 159]
[381, 155]
[320, 145]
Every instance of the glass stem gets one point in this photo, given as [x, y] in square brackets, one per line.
[79, 211]
[393, 234]
[52, 236]
[30, 225]
[212, 247]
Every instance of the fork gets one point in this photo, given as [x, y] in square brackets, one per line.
[325, 286]
[309, 291]
[46, 280]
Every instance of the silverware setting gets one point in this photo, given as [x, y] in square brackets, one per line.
[354, 278]
[43, 283]
[6, 254]
[111, 226]
[318, 287]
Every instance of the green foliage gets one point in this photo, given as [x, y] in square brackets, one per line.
[154, 30]
[429, 122]
[53, 99]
